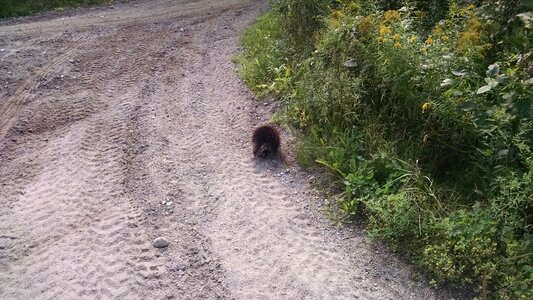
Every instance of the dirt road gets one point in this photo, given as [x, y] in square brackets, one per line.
[122, 124]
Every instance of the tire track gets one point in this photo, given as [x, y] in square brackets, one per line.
[10, 107]
[261, 237]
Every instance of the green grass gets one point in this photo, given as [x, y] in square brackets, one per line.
[15, 8]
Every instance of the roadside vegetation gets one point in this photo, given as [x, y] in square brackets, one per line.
[15, 8]
[422, 111]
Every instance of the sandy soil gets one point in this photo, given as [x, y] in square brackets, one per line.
[122, 124]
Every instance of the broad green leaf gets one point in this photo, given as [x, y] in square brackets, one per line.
[453, 92]
[351, 63]
[527, 18]
[447, 82]
[462, 72]
[491, 82]
[503, 153]
[483, 89]
[523, 107]
[501, 78]
[467, 106]
[493, 70]
[508, 96]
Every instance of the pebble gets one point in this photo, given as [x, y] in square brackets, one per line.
[160, 242]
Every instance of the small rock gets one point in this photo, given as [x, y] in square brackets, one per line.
[182, 29]
[160, 242]
[169, 203]
[2, 50]
[71, 61]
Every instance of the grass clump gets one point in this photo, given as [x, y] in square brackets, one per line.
[15, 8]
[423, 111]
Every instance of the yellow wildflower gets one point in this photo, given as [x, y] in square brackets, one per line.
[391, 15]
[438, 30]
[429, 41]
[365, 26]
[425, 107]
[397, 45]
[384, 30]
[412, 39]
[397, 37]
[334, 23]
[420, 14]
[424, 51]
[337, 14]
[471, 39]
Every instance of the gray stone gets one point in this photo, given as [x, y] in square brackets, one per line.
[160, 242]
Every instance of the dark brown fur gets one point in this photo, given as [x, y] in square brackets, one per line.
[265, 140]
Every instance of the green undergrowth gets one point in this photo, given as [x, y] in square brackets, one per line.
[422, 111]
[15, 8]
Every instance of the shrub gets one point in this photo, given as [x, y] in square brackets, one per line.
[422, 111]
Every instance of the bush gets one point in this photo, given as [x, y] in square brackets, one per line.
[422, 110]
